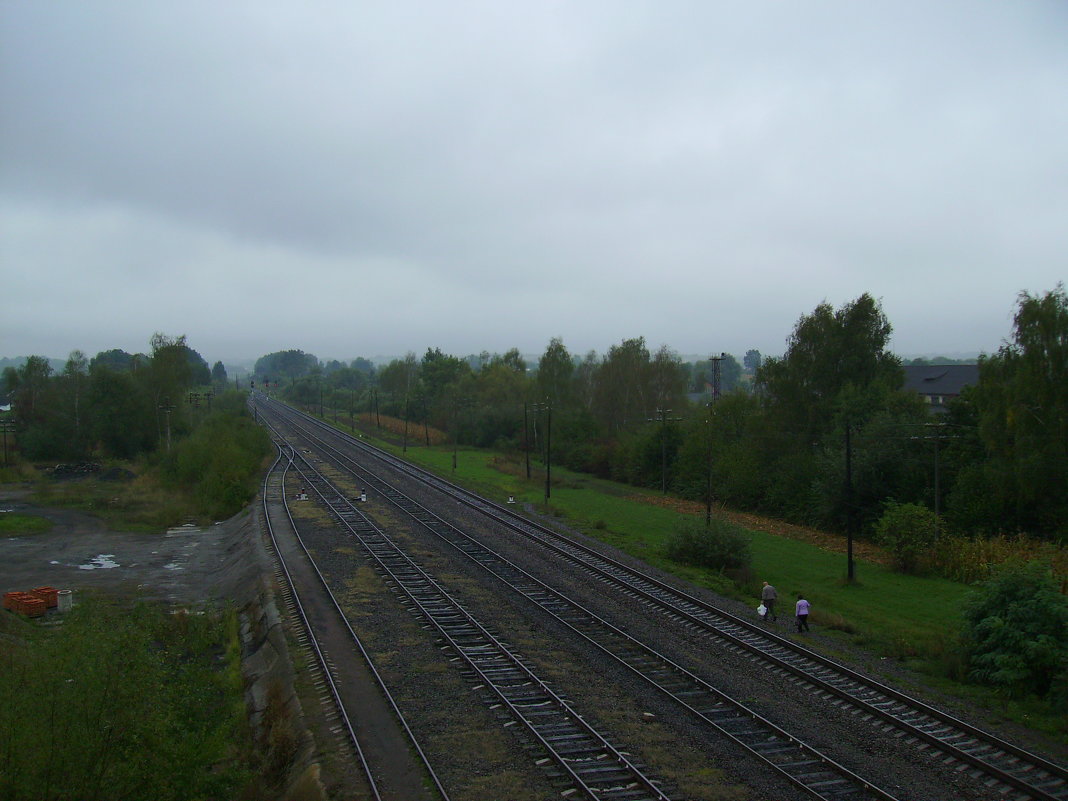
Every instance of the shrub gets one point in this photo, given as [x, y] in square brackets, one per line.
[219, 462]
[908, 531]
[719, 546]
[41, 442]
[1016, 630]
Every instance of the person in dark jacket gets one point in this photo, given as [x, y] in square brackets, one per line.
[768, 597]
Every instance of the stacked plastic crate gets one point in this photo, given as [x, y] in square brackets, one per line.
[50, 595]
[33, 603]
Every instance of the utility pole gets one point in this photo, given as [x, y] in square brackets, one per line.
[662, 416]
[938, 435]
[526, 439]
[849, 502]
[166, 407]
[455, 432]
[548, 443]
[457, 404]
[426, 424]
[196, 399]
[7, 426]
[548, 449]
[711, 430]
[937, 505]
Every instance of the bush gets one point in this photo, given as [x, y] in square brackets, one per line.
[720, 546]
[219, 462]
[908, 531]
[40, 442]
[1016, 630]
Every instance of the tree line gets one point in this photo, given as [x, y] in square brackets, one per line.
[116, 404]
[165, 407]
[824, 435]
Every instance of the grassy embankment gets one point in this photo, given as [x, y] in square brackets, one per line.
[913, 619]
[127, 703]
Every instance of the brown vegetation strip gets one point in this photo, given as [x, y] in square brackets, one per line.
[835, 543]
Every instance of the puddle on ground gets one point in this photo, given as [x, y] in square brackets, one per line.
[105, 560]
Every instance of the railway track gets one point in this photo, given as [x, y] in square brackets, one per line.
[579, 758]
[804, 767]
[392, 763]
[1019, 774]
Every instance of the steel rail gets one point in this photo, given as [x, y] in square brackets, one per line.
[321, 657]
[593, 765]
[806, 768]
[1039, 778]
[267, 494]
[802, 765]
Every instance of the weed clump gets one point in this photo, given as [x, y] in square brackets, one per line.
[720, 546]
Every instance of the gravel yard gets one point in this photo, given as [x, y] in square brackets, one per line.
[183, 565]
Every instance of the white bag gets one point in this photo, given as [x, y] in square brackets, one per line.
[762, 610]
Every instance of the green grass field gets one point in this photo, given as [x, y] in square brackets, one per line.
[16, 525]
[125, 703]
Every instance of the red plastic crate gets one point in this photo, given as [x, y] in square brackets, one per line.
[32, 607]
[12, 600]
[49, 595]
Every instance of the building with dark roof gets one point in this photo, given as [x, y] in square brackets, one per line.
[940, 383]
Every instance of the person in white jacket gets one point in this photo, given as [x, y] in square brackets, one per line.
[801, 610]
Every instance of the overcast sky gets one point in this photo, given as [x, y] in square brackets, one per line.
[371, 178]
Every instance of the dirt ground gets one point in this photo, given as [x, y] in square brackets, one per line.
[181, 565]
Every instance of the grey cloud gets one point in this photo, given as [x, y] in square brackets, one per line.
[700, 173]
